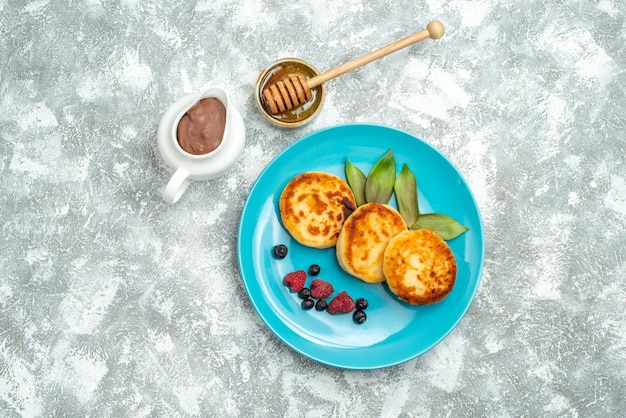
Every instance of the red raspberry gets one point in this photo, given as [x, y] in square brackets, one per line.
[341, 304]
[295, 280]
[321, 289]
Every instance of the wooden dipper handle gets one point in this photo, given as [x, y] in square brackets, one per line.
[295, 90]
[434, 30]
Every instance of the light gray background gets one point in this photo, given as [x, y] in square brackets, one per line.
[114, 303]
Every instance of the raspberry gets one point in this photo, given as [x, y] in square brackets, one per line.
[341, 304]
[295, 280]
[321, 289]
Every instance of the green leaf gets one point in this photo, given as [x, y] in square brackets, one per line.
[445, 226]
[406, 195]
[356, 181]
[380, 181]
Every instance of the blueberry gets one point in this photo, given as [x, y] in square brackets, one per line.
[280, 251]
[359, 316]
[307, 304]
[361, 303]
[305, 293]
[321, 305]
[314, 270]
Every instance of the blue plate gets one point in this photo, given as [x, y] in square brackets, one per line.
[394, 331]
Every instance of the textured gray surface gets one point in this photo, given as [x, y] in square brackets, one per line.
[114, 303]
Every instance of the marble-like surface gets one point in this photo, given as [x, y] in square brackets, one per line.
[114, 303]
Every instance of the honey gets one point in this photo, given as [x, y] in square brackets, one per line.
[279, 70]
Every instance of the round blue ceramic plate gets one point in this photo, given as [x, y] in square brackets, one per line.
[394, 331]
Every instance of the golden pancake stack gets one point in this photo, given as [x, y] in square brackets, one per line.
[372, 241]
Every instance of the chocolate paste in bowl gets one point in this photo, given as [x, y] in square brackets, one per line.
[201, 129]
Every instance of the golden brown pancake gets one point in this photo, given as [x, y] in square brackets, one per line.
[419, 267]
[313, 207]
[363, 240]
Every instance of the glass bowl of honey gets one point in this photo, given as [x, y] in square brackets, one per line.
[297, 116]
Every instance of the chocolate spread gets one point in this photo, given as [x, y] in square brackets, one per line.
[201, 129]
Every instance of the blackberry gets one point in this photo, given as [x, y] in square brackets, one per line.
[280, 251]
[307, 304]
[361, 303]
[321, 305]
[314, 270]
[305, 293]
[359, 316]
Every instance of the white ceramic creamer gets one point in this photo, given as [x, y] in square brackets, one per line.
[187, 167]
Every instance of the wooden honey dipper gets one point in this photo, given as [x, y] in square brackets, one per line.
[295, 90]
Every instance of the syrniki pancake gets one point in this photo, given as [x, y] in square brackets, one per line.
[419, 267]
[363, 240]
[313, 207]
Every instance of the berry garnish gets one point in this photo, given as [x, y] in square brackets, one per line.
[321, 289]
[359, 316]
[304, 293]
[361, 303]
[280, 251]
[314, 270]
[295, 280]
[307, 304]
[321, 305]
[341, 304]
